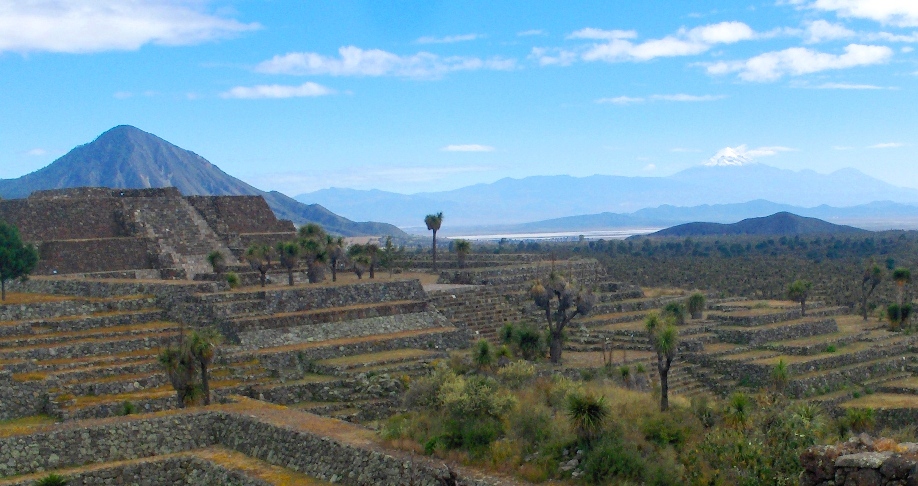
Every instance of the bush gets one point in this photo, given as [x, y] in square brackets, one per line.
[667, 429]
[232, 279]
[516, 374]
[857, 420]
[612, 458]
[483, 355]
[128, 408]
[52, 480]
[587, 413]
[529, 342]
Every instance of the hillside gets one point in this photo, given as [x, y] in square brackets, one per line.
[782, 223]
[126, 157]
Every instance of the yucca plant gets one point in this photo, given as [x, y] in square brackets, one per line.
[587, 413]
[52, 480]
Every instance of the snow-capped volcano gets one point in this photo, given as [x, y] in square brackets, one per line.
[730, 156]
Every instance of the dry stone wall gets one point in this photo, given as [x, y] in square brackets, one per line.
[861, 461]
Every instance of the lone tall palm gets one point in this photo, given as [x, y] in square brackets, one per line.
[433, 222]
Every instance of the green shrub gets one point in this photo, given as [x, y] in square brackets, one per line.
[52, 480]
[613, 458]
[128, 408]
[529, 342]
[516, 374]
[587, 413]
[531, 423]
[483, 355]
[831, 348]
[666, 429]
[505, 333]
[232, 278]
[857, 420]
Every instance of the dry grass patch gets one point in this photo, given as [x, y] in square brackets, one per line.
[883, 401]
[357, 340]
[904, 383]
[33, 376]
[377, 357]
[653, 292]
[24, 425]
[256, 468]
[13, 298]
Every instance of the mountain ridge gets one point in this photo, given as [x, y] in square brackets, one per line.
[127, 157]
[780, 224]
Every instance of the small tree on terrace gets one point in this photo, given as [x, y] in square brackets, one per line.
[463, 248]
[664, 339]
[335, 249]
[288, 253]
[372, 252]
[360, 260]
[695, 305]
[561, 302]
[799, 291]
[433, 222]
[217, 261]
[180, 365]
[313, 243]
[202, 345]
[17, 260]
[261, 259]
[872, 277]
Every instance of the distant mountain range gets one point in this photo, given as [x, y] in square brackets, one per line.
[126, 157]
[782, 223]
[540, 198]
[872, 216]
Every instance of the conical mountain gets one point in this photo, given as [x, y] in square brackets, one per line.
[782, 223]
[127, 157]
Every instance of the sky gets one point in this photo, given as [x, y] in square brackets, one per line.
[416, 96]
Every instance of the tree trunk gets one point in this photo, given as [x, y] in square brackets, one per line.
[3, 291]
[435, 251]
[864, 307]
[664, 387]
[205, 383]
[554, 351]
[802, 307]
[334, 265]
[372, 271]
[290, 276]
[264, 278]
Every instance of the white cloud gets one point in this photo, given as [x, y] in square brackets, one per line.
[553, 56]
[468, 148]
[797, 61]
[907, 49]
[277, 91]
[849, 86]
[821, 30]
[903, 13]
[742, 155]
[680, 97]
[621, 100]
[82, 26]
[887, 145]
[37, 152]
[530, 32]
[889, 37]
[354, 61]
[599, 34]
[450, 39]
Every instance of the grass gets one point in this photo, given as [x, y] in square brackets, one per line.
[904, 383]
[13, 298]
[32, 376]
[252, 467]
[652, 292]
[373, 358]
[883, 401]
[23, 425]
[347, 341]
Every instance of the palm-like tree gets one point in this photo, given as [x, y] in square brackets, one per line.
[261, 259]
[316, 255]
[873, 275]
[372, 252]
[288, 253]
[664, 339]
[202, 346]
[433, 222]
[463, 248]
[217, 261]
[587, 414]
[360, 261]
[695, 305]
[902, 277]
[335, 248]
[179, 366]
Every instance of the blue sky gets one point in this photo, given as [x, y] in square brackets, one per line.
[421, 96]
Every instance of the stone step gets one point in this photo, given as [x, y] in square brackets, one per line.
[78, 323]
[49, 339]
[359, 362]
[777, 331]
[79, 348]
[332, 314]
[820, 382]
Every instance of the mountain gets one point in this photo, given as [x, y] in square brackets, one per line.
[539, 198]
[126, 157]
[782, 223]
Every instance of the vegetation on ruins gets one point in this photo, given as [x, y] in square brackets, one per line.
[360, 260]
[232, 279]
[873, 276]
[288, 254]
[695, 305]
[17, 260]
[313, 243]
[217, 261]
[463, 248]
[664, 340]
[261, 259]
[798, 291]
[675, 311]
[372, 252]
[335, 249]
[433, 222]
[902, 276]
[52, 480]
[525, 340]
[562, 302]
[898, 316]
[187, 365]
